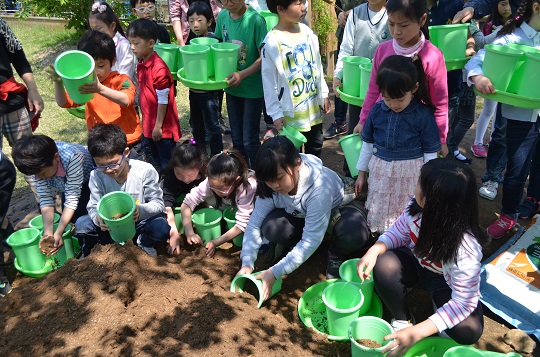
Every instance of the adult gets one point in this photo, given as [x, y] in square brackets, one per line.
[7, 184]
[479, 8]
[179, 19]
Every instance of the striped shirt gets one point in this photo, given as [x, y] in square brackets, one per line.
[462, 276]
[73, 172]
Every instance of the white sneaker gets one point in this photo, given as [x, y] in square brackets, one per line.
[401, 324]
[149, 250]
[489, 190]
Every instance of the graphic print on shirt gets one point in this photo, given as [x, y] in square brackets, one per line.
[435, 267]
[12, 43]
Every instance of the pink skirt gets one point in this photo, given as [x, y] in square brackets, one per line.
[390, 188]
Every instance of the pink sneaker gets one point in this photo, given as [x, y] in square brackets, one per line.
[499, 228]
[479, 150]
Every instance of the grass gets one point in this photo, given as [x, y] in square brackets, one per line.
[42, 42]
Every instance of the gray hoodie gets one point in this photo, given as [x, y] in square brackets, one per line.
[319, 191]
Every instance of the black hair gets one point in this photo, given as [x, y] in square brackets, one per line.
[495, 18]
[274, 153]
[273, 4]
[134, 2]
[188, 155]
[108, 17]
[106, 140]
[201, 8]
[410, 9]
[143, 28]
[450, 210]
[398, 75]
[33, 152]
[226, 167]
[98, 45]
[523, 14]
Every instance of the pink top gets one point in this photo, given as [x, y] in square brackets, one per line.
[178, 12]
[435, 70]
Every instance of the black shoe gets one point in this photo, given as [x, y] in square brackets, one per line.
[334, 130]
[332, 266]
[5, 289]
[528, 208]
[466, 160]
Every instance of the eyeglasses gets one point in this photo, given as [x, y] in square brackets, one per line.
[224, 2]
[110, 166]
[148, 8]
[224, 192]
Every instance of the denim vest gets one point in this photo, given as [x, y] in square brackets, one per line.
[405, 135]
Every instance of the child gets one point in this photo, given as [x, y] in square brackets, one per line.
[394, 160]
[436, 244]
[114, 96]
[204, 106]
[102, 18]
[179, 19]
[298, 200]
[230, 182]
[521, 127]
[161, 128]
[366, 28]
[239, 23]
[291, 61]
[186, 170]
[407, 24]
[114, 171]
[501, 13]
[147, 9]
[8, 176]
[56, 166]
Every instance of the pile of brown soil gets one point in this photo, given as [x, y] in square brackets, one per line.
[118, 215]
[369, 343]
[46, 244]
[120, 301]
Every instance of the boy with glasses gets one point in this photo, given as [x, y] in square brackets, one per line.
[147, 9]
[114, 171]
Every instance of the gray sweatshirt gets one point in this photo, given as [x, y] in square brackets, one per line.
[141, 183]
[319, 191]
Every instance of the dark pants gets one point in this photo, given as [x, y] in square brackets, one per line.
[398, 270]
[152, 230]
[533, 190]
[463, 119]
[7, 184]
[314, 142]
[161, 150]
[137, 151]
[496, 159]
[83, 202]
[203, 117]
[267, 118]
[340, 107]
[244, 119]
[350, 233]
[354, 116]
[521, 137]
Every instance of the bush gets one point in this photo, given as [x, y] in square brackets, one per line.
[323, 22]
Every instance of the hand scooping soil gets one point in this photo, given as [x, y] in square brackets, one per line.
[46, 244]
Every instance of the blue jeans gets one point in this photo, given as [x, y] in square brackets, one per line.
[496, 159]
[533, 190]
[463, 119]
[161, 150]
[521, 139]
[203, 117]
[244, 119]
[152, 230]
[340, 107]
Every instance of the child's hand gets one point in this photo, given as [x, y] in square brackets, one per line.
[360, 181]
[404, 339]
[92, 87]
[58, 242]
[245, 270]
[157, 134]
[102, 224]
[268, 280]
[136, 213]
[210, 248]
[358, 128]
[234, 79]
[336, 83]
[365, 265]
[470, 52]
[327, 106]
[51, 73]
[280, 123]
[174, 244]
[194, 239]
[483, 84]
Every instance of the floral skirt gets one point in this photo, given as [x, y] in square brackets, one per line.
[390, 188]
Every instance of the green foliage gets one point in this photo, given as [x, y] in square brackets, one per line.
[323, 21]
[74, 11]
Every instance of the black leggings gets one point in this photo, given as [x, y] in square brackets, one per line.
[350, 233]
[397, 270]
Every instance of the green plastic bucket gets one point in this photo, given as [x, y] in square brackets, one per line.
[348, 272]
[270, 18]
[207, 223]
[196, 58]
[75, 68]
[450, 39]
[178, 220]
[225, 59]
[179, 60]
[239, 281]
[37, 221]
[365, 74]
[229, 215]
[343, 301]
[25, 244]
[527, 77]
[208, 41]
[368, 328]
[351, 146]
[67, 251]
[352, 74]
[118, 203]
[168, 53]
[499, 65]
[463, 351]
[298, 139]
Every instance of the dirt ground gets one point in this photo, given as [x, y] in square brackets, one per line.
[120, 301]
